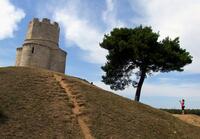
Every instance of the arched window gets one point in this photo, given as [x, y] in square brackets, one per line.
[32, 50]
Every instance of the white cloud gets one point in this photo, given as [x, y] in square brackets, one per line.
[176, 18]
[10, 16]
[175, 90]
[109, 16]
[78, 26]
[83, 34]
[162, 89]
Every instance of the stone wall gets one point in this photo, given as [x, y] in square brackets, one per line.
[35, 56]
[18, 56]
[58, 59]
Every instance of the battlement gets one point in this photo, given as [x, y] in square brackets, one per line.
[44, 21]
[19, 48]
[43, 31]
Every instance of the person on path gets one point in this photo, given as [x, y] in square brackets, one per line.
[182, 102]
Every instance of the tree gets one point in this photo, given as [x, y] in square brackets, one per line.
[138, 51]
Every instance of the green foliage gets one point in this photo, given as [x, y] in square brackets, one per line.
[139, 48]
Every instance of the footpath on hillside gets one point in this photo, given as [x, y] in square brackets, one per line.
[78, 105]
[189, 118]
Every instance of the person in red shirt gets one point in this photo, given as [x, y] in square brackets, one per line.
[182, 102]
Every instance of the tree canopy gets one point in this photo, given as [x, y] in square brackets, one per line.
[138, 51]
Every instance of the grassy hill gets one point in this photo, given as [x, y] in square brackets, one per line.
[37, 103]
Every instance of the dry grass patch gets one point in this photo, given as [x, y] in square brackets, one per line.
[34, 105]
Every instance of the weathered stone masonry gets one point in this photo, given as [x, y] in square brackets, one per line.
[41, 48]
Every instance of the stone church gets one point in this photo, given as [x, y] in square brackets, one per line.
[41, 47]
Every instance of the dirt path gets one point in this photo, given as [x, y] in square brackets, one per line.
[189, 118]
[76, 108]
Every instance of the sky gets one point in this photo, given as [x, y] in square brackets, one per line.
[83, 24]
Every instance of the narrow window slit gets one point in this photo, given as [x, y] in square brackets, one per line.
[32, 50]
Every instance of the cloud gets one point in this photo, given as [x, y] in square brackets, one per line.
[175, 18]
[162, 89]
[80, 30]
[83, 34]
[10, 16]
[180, 90]
[168, 17]
[109, 16]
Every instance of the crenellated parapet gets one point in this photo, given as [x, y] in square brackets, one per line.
[43, 32]
[44, 21]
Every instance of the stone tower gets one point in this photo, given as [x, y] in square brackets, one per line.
[41, 48]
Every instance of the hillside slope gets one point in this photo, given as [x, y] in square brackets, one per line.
[37, 103]
[189, 118]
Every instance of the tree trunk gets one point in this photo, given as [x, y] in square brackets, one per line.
[139, 87]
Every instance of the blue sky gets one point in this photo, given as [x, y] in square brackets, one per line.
[83, 24]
